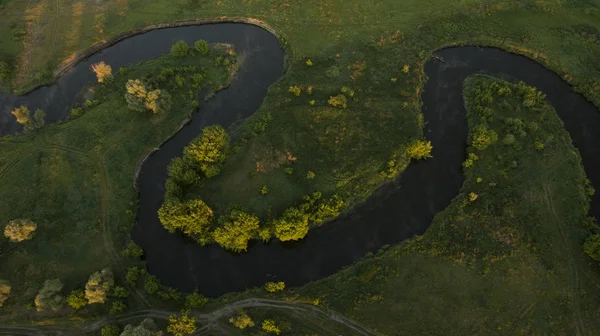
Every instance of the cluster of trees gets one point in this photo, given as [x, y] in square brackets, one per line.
[23, 116]
[49, 297]
[192, 217]
[19, 230]
[181, 49]
[273, 287]
[99, 285]
[141, 97]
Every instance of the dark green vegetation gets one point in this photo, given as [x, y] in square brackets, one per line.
[79, 178]
[505, 257]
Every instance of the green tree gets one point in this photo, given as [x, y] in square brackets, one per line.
[201, 47]
[111, 330]
[99, 285]
[236, 230]
[270, 327]
[133, 250]
[117, 307]
[141, 98]
[180, 49]
[293, 225]
[209, 150]
[483, 137]
[152, 285]
[192, 217]
[19, 230]
[182, 171]
[273, 287]
[38, 116]
[241, 321]
[420, 149]
[5, 289]
[76, 299]
[181, 325]
[146, 328]
[195, 300]
[23, 117]
[592, 246]
[49, 297]
[339, 101]
[132, 275]
[120, 292]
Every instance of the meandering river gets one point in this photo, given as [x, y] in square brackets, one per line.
[397, 211]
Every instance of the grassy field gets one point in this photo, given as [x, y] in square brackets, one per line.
[506, 262]
[75, 181]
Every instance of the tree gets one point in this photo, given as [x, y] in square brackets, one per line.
[483, 137]
[39, 116]
[146, 328]
[132, 275]
[592, 246]
[192, 217]
[152, 285]
[273, 287]
[182, 325]
[4, 72]
[419, 149]
[237, 229]
[201, 47]
[77, 299]
[99, 285]
[103, 71]
[140, 98]
[293, 225]
[120, 292]
[23, 117]
[5, 289]
[209, 150]
[339, 101]
[180, 49]
[111, 330]
[49, 297]
[133, 250]
[195, 300]
[270, 327]
[18, 230]
[242, 321]
[117, 307]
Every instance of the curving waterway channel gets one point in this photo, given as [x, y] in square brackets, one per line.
[397, 211]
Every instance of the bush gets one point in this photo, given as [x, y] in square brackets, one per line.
[180, 49]
[339, 101]
[38, 117]
[49, 297]
[592, 246]
[99, 285]
[182, 325]
[103, 71]
[77, 299]
[19, 230]
[209, 150]
[242, 321]
[236, 230]
[295, 90]
[293, 225]
[133, 250]
[195, 300]
[310, 175]
[420, 149]
[270, 327]
[5, 289]
[273, 287]
[23, 117]
[201, 47]
[483, 137]
[192, 217]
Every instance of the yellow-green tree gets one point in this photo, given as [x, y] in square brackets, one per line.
[270, 327]
[420, 149]
[272, 287]
[5, 289]
[241, 321]
[192, 217]
[236, 230]
[77, 299]
[293, 225]
[181, 325]
[23, 117]
[103, 71]
[19, 230]
[209, 150]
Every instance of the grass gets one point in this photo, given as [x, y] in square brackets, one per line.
[75, 181]
[507, 263]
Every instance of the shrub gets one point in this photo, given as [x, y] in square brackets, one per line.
[77, 299]
[133, 250]
[103, 71]
[180, 49]
[270, 327]
[152, 285]
[236, 230]
[592, 246]
[339, 101]
[182, 325]
[192, 217]
[264, 190]
[309, 62]
[242, 321]
[19, 230]
[273, 287]
[209, 150]
[310, 175]
[293, 225]
[111, 330]
[5, 289]
[49, 297]
[99, 285]
[509, 139]
[483, 137]
[295, 90]
[405, 68]
[198, 80]
[38, 117]
[23, 117]
[5, 73]
[201, 47]
[288, 170]
[117, 307]
[120, 292]
[470, 161]
[420, 149]
[195, 300]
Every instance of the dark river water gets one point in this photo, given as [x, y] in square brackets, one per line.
[397, 211]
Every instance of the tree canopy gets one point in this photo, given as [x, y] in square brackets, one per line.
[201, 47]
[592, 246]
[181, 325]
[146, 328]
[77, 299]
[99, 285]
[420, 149]
[236, 230]
[19, 230]
[241, 321]
[209, 150]
[141, 98]
[49, 297]
[293, 225]
[192, 217]
[180, 49]
[5, 289]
